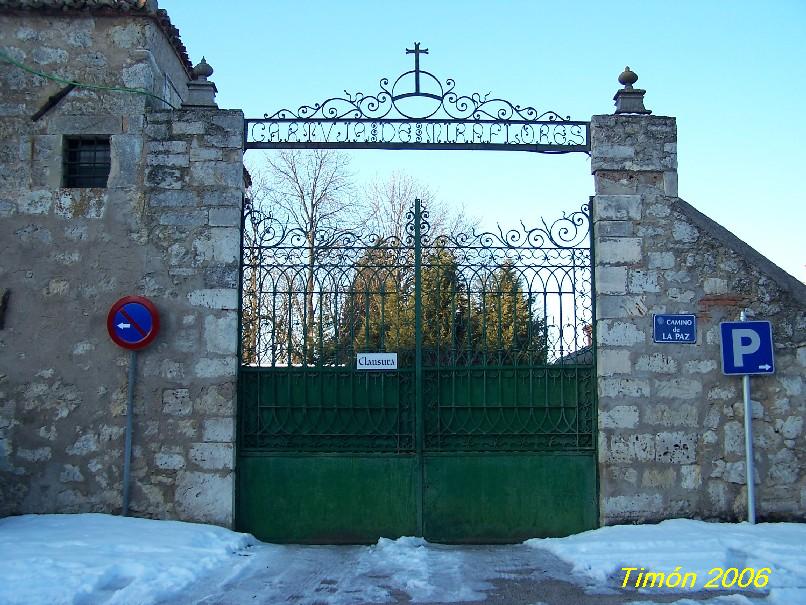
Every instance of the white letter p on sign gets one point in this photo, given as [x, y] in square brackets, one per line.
[739, 349]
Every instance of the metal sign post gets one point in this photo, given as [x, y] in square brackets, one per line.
[747, 349]
[127, 454]
[748, 449]
[748, 445]
[133, 323]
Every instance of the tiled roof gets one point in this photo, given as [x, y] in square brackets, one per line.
[147, 8]
[79, 5]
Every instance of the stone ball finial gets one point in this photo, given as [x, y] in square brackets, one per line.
[627, 78]
[629, 99]
[202, 70]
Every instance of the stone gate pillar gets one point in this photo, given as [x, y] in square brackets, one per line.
[671, 437]
[634, 165]
[194, 184]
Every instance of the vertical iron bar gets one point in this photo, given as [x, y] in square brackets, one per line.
[288, 345]
[382, 342]
[531, 352]
[485, 343]
[274, 349]
[337, 376]
[453, 310]
[322, 298]
[500, 312]
[336, 322]
[305, 319]
[469, 328]
[289, 338]
[455, 346]
[381, 336]
[547, 402]
[320, 354]
[305, 344]
[577, 357]
[352, 302]
[418, 364]
[367, 346]
[516, 346]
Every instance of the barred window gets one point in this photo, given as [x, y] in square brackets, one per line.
[86, 161]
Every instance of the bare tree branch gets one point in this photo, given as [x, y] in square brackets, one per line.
[389, 200]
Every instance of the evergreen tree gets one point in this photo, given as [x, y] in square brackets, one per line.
[510, 331]
[379, 309]
[441, 297]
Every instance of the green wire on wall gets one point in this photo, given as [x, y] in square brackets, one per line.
[55, 78]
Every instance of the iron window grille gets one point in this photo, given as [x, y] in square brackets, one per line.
[86, 161]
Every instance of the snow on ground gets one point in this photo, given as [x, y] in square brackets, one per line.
[94, 558]
[359, 575]
[427, 572]
[694, 546]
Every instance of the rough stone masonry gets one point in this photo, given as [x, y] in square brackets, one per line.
[671, 441]
[167, 224]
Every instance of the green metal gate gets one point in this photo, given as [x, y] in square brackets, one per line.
[485, 430]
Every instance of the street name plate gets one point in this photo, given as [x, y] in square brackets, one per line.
[679, 329]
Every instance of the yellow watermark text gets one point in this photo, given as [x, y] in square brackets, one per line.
[718, 577]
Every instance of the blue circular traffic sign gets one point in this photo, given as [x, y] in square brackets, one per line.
[133, 322]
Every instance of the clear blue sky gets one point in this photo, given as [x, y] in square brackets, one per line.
[731, 72]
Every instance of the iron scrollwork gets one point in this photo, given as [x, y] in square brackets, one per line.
[506, 327]
[418, 111]
[567, 232]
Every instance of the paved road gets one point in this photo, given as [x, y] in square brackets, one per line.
[429, 574]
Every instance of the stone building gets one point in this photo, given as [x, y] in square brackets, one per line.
[671, 439]
[164, 224]
[110, 80]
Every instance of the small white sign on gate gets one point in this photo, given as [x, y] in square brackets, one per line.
[376, 361]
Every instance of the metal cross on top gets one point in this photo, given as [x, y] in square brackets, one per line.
[416, 51]
[424, 114]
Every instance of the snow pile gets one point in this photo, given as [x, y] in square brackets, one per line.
[358, 575]
[694, 546]
[425, 572]
[94, 558]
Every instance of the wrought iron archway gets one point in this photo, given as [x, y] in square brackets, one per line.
[484, 430]
[417, 111]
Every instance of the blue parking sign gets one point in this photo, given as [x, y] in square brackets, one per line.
[747, 347]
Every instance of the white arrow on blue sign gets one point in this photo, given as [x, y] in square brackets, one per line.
[747, 347]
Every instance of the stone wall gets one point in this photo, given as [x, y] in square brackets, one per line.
[671, 424]
[113, 51]
[166, 227]
[194, 183]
